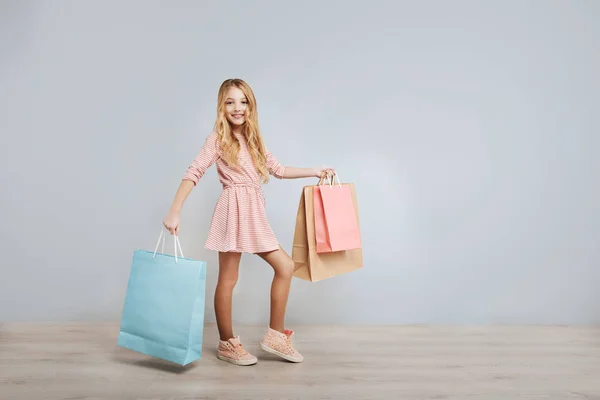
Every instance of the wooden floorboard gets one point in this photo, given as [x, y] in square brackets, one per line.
[81, 361]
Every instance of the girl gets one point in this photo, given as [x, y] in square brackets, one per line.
[239, 224]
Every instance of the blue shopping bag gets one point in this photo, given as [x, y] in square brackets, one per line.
[163, 314]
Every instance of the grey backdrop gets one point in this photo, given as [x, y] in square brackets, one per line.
[469, 128]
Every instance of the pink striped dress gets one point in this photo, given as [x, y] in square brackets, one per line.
[239, 222]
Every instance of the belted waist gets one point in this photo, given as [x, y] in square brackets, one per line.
[253, 185]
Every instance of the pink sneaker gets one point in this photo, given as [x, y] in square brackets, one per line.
[232, 351]
[280, 344]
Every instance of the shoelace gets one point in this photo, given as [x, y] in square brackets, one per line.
[239, 350]
[288, 342]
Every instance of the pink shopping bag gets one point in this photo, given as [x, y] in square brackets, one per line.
[321, 235]
[336, 219]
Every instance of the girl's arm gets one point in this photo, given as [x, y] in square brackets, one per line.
[184, 190]
[279, 171]
[172, 220]
[206, 157]
[294, 173]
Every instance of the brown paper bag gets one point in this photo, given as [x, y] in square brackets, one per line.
[308, 264]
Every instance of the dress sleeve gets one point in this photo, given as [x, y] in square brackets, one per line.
[207, 156]
[275, 168]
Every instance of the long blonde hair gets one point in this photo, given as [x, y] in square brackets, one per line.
[230, 146]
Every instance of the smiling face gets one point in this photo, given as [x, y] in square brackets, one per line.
[236, 105]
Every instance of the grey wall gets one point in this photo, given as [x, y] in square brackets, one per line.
[469, 128]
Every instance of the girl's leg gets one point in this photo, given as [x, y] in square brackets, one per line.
[228, 275]
[280, 288]
[277, 340]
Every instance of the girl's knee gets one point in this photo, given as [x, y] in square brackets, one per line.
[291, 266]
[227, 282]
[287, 270]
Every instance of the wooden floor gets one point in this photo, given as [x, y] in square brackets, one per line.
[81, 361]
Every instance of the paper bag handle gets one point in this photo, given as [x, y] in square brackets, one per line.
[176, 244]
[330, 182]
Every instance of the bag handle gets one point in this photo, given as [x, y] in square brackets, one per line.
[330, 182]
[336, 176]
[323, 176]
[176, 244]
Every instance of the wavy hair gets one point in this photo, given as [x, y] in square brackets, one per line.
[230, 146]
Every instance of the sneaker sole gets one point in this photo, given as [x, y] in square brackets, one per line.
[284, 356]
[237, 362]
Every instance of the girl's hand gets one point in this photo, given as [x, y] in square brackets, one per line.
[171, 222]
[320, 171]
